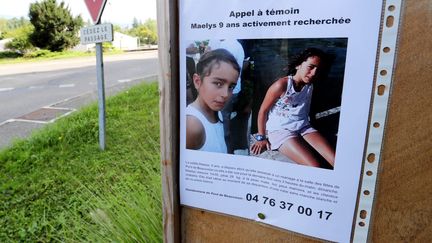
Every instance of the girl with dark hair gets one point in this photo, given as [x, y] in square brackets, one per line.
[216, 76]
[283, 118]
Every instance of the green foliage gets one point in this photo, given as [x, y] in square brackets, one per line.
[8, 26]
[3, 24]
[55, 27]
[43, 55]
[126, 213]
[118, 28]
[146, 32]
[39, 53]
[135, 23]
[21, 41]
[16, 23]
[58, 186]
[9, 54]
[107, 46]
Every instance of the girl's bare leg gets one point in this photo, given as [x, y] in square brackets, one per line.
[298, 150]
[320, 144]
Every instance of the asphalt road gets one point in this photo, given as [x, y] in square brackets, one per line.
[26, 88]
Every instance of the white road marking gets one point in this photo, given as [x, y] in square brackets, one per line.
[29, 121]
[6, 89]
[36, 87]
[66, 85]
[58, 108]
[69, 111]
[124, 80]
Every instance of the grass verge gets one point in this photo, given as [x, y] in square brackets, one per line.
[58, 185]
[9, 57]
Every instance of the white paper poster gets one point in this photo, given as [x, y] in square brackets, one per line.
[278, 135]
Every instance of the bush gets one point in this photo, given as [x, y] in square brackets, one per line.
[108, 46]
[10, 54]
[21, 41]
[39, 53]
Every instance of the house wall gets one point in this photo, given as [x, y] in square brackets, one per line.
[125, 42]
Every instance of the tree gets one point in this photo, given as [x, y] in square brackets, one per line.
[55, 28]
[20, 41]
[16, 23]
[146, 32]
[118, 28]
[151, 25]
[9, 27]
[135, 23]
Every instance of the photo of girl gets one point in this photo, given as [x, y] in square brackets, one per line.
[216, 75]
[283, 119]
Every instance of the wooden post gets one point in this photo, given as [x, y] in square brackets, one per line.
[403, 212]
[169, 115]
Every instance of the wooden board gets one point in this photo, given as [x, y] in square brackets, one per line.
[402, 213]
[403, 209]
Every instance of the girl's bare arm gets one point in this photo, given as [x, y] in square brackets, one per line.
[195, 133]
[273, 93]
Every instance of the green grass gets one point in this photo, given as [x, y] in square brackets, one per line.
[58, 185]
[43, 55]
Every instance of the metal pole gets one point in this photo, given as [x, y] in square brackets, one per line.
[101, 94]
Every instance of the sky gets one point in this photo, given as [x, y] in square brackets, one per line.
[121, 12]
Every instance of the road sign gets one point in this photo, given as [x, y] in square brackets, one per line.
[95, 8]
[96, 34]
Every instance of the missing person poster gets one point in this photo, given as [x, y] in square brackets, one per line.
[275, 98]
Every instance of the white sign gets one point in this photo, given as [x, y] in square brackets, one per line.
[97, 34]
[308, 180]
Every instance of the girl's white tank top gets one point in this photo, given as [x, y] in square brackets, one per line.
[291, 111]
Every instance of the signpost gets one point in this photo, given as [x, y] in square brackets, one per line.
[97, 34]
